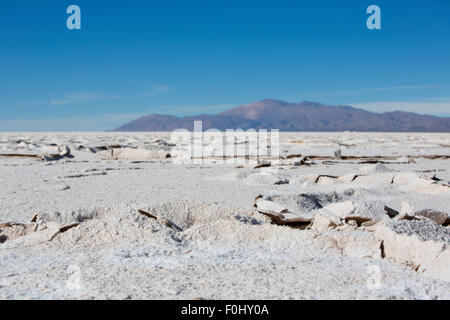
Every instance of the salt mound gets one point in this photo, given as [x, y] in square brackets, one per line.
[371, 209]
[420, 244]
[378, 167]
[262, 178]
[124, 224]
[119, 227]
[97, 228]
[136, 154]
[189, 213]
[234, 232]
[233, 175]
[306, 204]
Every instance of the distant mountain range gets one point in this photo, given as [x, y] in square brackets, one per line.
[303, 116]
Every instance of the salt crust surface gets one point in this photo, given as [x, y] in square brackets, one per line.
[227, 249]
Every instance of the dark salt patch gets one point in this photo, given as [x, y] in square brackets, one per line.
[423, 229]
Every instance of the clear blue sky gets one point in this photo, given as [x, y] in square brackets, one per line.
[132, 58]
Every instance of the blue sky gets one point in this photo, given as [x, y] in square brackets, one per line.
[133, 57]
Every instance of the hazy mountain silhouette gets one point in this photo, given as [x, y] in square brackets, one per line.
[303, 116]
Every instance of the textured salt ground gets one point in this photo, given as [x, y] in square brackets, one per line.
[211, 272]
[214, 261]
[35, 188]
